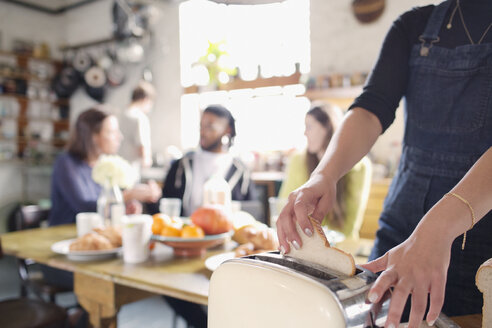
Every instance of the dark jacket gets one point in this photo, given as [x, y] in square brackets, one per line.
[177, 183]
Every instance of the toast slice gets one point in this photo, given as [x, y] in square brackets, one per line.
[317, 249]
[483, 280]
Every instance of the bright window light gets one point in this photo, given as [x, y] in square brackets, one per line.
[273, 37]
[269, 39]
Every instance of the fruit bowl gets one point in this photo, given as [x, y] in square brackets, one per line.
[192, 247]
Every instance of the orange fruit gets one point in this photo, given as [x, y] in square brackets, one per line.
[170, 230]
[157, 226]
[192, 231]
[163, 217]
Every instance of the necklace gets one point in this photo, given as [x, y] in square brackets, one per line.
[449, 25]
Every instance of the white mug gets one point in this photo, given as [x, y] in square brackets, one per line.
[170, 206]
[86, 221]
[137, 230]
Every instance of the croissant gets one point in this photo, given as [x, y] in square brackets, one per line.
[113, 234]
[91, 242]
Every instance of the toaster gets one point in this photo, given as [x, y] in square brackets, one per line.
[270, 290]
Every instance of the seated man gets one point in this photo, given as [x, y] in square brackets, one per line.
[187, 175]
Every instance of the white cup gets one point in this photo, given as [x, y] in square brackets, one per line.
[275, 206]
[86, 221]
[170, 206]
[137, 229]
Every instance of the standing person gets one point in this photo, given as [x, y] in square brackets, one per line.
[438, 59]
[187, 175]
[135, 126]
[352, 190]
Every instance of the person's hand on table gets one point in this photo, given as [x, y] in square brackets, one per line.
[144, 192]
[316, 197]
[133, 207]
[417, 267]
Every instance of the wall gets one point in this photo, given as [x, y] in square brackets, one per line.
[162, 59]
[22, 23]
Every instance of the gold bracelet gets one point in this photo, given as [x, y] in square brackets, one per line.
[471, 211]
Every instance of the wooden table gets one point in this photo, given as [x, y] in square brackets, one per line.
[102, 287]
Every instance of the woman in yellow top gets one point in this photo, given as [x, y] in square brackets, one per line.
[352, 191]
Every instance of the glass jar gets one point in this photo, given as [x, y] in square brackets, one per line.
[216, 191]
[110, 204]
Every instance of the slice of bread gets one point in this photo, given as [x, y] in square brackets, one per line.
[317, 249]
[483, 280]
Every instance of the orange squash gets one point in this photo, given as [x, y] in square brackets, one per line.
[212, 219]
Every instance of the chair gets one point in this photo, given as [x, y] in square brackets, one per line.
[357, 195]
[27, 313]
[29, 217]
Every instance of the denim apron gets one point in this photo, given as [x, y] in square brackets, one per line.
[448, 126]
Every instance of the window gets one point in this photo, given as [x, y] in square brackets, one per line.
[272, 37]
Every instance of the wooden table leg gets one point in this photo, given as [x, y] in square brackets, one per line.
[102, 298]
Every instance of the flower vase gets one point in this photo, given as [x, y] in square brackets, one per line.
[110, 204]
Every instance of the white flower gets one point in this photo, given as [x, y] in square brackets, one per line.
[113, 169]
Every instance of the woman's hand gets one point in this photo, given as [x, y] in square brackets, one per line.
[133, 207]
[417, 267]
[144, 192]
[316, 197]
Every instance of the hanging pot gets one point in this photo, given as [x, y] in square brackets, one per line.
[82, 62]
[95, 80]
[67, 80]
[367, 11]
[116, 73]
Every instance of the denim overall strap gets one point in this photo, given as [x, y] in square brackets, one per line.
[431, 33]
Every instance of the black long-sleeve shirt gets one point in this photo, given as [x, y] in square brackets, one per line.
[388, 80]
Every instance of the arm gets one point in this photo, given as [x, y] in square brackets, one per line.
[143, 192]
[358, 132]
[372, 112]
[144, 150]
[422, 271]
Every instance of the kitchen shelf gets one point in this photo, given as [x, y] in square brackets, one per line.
[23, 98]
[26, 57]
[343, 92]
[24, 76]
[60, 126]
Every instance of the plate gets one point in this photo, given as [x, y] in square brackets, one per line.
[213, 262]
[192, 247]
[63, 247]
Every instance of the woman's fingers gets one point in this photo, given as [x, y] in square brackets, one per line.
[302, 208]
[419, 304]
[436, 298]
[286, 229]
[386, 280]
[397, 304]
[377, 265]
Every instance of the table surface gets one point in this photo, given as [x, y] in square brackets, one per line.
[164, 274]
[187, 279]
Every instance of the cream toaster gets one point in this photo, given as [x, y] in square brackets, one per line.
[270, 290]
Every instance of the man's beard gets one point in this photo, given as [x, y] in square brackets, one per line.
[217, 143]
